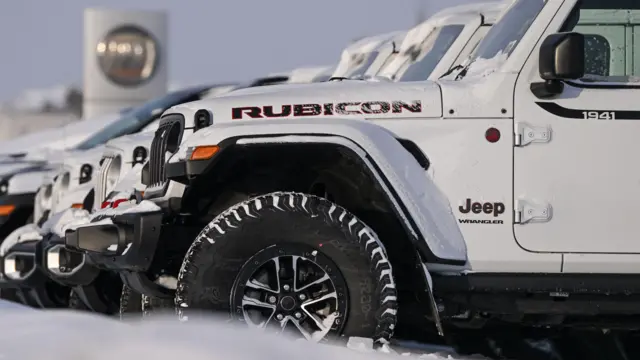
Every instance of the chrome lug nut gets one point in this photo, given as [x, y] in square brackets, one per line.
[272, 299]
[298, 315]
[302, 297]
[286, 287]
[279, 317]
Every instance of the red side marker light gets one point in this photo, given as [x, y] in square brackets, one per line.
[492, 135]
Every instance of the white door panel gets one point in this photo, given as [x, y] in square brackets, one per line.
[587, 172]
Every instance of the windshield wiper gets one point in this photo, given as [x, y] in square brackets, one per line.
[457, 67]
[464, 71]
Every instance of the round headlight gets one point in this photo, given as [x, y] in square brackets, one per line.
[201, 119]
[139, 155]
[128, 55]
[4, 186]
[85, 173]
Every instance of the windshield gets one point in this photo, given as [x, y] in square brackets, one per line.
[363, 62]
[136, 119]
[426, 57]
[504, 36]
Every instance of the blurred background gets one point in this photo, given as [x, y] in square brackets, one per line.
[41, 42]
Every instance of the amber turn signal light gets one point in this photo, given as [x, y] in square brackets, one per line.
[6, 209]
[76, 206]
[204, 152]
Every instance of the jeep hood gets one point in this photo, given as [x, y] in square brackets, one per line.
[352, 98]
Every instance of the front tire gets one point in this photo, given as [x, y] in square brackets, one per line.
[130, 304]
[285, 259]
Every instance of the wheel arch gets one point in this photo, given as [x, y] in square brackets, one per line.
[392, 163]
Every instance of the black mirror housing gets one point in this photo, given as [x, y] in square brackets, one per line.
[562, 57]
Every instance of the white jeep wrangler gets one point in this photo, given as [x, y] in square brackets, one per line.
[342, 232]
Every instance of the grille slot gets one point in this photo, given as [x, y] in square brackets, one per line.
[100, 193]
[167, 138]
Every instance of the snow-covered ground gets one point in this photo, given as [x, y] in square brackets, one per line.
[28, 334]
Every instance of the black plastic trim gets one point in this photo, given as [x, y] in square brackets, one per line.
[561, 111]
[420, 242]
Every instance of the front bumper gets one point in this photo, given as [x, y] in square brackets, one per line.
[22, 209]
[63, 265]
[20, 270]
[127, 246]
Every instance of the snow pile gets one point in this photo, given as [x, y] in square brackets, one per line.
[63, 335]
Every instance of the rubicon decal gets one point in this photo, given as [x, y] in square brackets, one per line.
[326, 109]
[488, 208]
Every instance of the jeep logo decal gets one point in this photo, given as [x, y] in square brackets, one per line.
[475, 207]
[496, 208]
[327, 109]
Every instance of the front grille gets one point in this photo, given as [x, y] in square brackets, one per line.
[42, 203]
[167, 139]
[100, 190]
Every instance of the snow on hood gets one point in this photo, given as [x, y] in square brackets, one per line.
[306, 75]
[24, 233]
[36, 144]
[11, 168]
[76, 158]
[344, 97]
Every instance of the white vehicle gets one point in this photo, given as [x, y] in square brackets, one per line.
[107, 175]
[359, 56]
[442, 41]
[505, 231]
[308, 74]
[39, 145]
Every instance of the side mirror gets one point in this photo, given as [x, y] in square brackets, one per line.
[562, 57]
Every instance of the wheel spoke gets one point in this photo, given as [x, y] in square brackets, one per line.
[255, 284]
[331, 295]
[319, 323]
[294, 268]
[324, 278]
[246, 300]
[302, 330]
[276, 262]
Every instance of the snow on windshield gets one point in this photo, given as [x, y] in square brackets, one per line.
[504, 36]
[426, 57]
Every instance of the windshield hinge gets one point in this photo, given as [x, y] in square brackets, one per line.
[526, 134]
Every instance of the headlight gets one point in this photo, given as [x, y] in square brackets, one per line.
[139, 155]
[201, 119]
[4, 186]
[85, 173]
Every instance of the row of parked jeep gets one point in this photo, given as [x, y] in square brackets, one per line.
[431, 186]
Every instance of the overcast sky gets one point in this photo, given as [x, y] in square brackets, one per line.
[41, 40]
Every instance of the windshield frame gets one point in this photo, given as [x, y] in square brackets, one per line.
[427, 48]
[493, 42]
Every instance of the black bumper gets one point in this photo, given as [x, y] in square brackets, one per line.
[63, 265]
[34, 287]
[23, 204]
[29, 274]
[128, 246]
